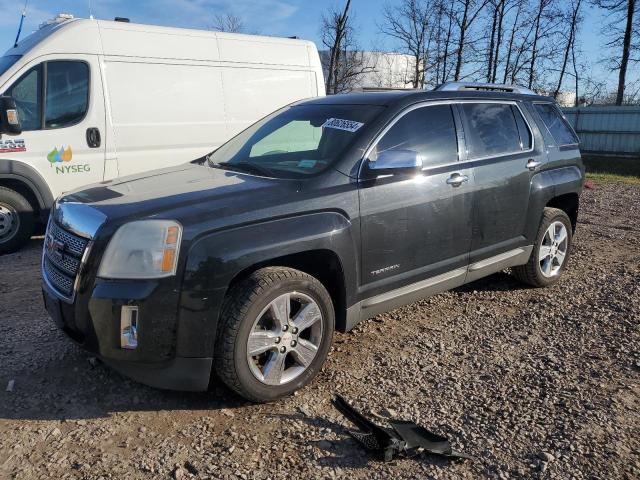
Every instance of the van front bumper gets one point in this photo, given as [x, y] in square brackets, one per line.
[93, 321]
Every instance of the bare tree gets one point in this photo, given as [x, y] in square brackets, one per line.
[228, 23]
[334, 29]
[622, 12]
[573, 20]
[345, 63]
[411, 24]
[467, 12]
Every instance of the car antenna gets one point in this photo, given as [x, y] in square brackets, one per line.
[24, 14]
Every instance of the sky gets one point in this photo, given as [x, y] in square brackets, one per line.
[270, 17]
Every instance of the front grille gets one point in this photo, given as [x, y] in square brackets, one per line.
[63, 253]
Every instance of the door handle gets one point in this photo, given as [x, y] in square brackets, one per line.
[93, 137]
[456, 180]
[533, 164]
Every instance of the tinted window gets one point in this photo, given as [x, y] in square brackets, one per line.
[560, 131]
[296, 141]
[27, 94]
[490, 129]
[7, 62]
[526, 142]
[429, 131]
[67, 93]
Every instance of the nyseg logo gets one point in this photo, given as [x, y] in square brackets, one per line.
[59, 156]
[60, 159]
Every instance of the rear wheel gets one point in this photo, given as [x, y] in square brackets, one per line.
[550, 253]
[276, 330]
[16, 220]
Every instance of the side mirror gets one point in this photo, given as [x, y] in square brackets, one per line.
[9, 118]
[396, 161]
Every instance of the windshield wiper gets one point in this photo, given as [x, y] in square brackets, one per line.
[243, 167]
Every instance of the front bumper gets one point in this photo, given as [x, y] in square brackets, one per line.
[93, 322]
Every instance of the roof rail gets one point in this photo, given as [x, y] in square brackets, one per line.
[491, 87]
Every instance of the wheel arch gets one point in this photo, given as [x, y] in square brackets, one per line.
[28, 182]
[323, 264]
[569, 203]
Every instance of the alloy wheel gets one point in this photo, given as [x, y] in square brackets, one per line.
[285, 338]
[553, 249]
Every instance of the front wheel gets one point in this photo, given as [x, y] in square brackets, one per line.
[550, 253]
[275, 333]
[16, 220]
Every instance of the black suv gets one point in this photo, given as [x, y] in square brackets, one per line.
[324, 213]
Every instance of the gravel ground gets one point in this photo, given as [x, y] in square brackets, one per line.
[535, 383]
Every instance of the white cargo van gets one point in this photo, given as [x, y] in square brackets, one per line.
[101, 99]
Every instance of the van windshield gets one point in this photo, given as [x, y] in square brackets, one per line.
[296, 141]
[7, 62]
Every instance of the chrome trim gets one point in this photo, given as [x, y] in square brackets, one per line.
[79, 218]
[460, 162]
[82, 221]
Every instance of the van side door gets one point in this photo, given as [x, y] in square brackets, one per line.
[417, 227]
[504, 152]
[61, 107]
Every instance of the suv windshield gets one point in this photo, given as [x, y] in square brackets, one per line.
[7, 62]
[296, 141]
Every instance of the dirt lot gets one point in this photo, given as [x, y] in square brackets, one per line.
[535, 383]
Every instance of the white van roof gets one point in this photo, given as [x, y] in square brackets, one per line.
[88, 36]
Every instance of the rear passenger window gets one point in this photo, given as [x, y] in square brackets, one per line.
[557, 126]
[491, 129]
[429, 131]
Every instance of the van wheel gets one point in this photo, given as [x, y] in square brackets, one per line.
[275, 333]
[16, 220]
[550, 253]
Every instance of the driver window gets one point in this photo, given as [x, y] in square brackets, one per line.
[27, 94]
[429, 131]
[67, 95]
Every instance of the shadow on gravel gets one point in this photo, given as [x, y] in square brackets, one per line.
[498, 282]
[346, 453]
[68, 390]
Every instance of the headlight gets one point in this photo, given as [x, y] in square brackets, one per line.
[143, 249]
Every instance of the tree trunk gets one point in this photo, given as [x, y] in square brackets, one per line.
[492, 43]
[332, 75]
[447, 43]
[534, 48]
[496, 55]
[510, 49]
[626, 50]
[565, 59]
[463, 31]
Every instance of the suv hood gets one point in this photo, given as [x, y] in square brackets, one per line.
[187, 193]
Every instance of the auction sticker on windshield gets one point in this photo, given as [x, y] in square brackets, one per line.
[340, 124]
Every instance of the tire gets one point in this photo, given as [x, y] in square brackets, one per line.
[253, 310]
[543, 270]
[17, 220]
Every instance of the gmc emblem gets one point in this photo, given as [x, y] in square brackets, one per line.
[54, 247]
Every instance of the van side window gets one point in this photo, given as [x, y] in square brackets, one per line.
[429, 131]
[67, 93]
[557, 126]
[490, 129]
[27, 93]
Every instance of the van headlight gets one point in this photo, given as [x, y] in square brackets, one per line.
[142, 249]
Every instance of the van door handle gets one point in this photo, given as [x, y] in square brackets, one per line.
[456, 179]
[533, 164]
[93, 137]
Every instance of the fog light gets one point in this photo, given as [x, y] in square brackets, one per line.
[129, 327]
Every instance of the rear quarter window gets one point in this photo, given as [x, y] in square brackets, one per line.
[492, 129]
[556, 124]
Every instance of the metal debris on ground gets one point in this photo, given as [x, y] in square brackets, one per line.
[403, 438]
